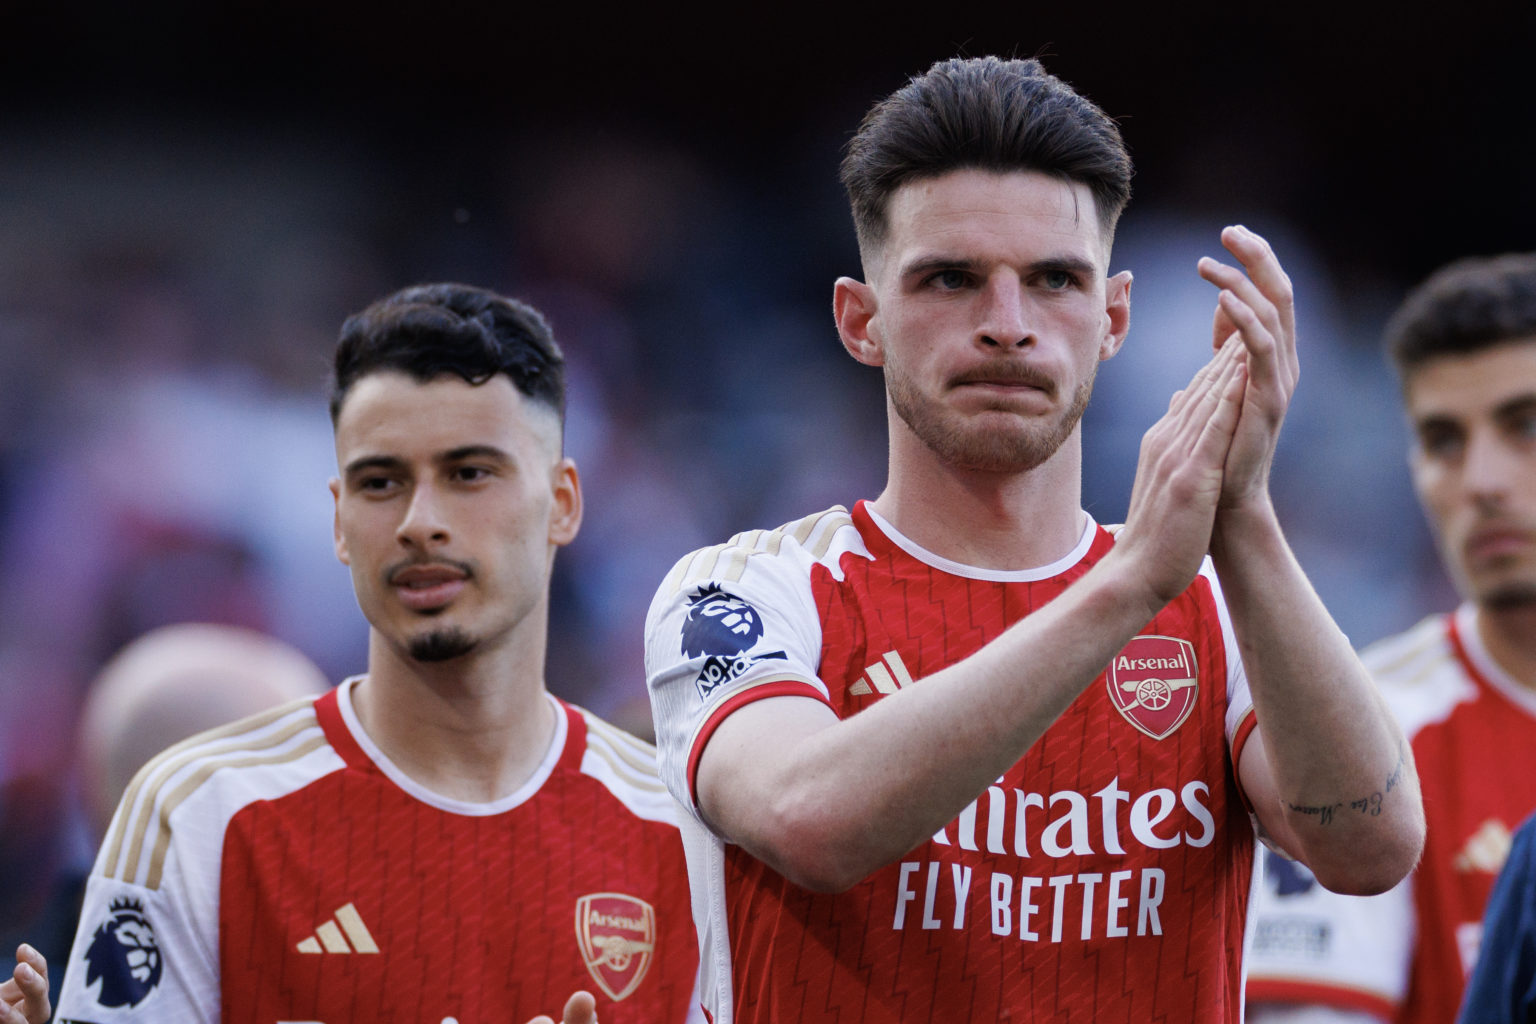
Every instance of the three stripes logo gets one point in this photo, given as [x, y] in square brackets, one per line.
[344, 933]
[887, 675]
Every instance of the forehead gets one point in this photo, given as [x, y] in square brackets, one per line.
[393, 414]
[1013, 212]
[1474, 383]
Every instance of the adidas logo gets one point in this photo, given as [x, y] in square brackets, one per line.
[1486, 849]
[886, 676]
[329, 938]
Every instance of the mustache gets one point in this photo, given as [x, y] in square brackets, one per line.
[1006, 373]
[418, 563]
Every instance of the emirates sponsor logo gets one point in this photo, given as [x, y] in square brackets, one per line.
[617, 936]
[1007, 820]
[1153, 683]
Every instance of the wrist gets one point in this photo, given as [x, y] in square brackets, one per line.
[1250, 524]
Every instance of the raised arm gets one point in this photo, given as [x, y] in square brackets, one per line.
[1328, 771]
[825, 802]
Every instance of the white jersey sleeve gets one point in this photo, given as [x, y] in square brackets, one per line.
[736, 623]
[147, 948]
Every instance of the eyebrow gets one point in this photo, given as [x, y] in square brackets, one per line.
[452, 455]
[1515, 406]
[928, 264]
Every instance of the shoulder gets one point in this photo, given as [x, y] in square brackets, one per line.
[821, 537]
[626, 767]
[1419, 673]
[209, 778]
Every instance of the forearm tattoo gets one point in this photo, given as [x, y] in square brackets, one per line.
[1370, 805]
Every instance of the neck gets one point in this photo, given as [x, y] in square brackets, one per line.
[474, 728]
[1509, 635]
[989, 520]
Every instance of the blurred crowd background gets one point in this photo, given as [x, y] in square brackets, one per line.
[193, 197]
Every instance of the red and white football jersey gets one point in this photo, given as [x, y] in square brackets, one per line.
[1103, 878]
[282, 871]
[1405, 955]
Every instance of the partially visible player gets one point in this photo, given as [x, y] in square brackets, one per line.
[438, 839]
[159, 689]
[1463, 684]
[1502, 989]
[171, 683]
[962, 753]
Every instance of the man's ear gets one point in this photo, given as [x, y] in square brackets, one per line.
[340, 541]
[854, 307]
[565, 511]
[1117, 313]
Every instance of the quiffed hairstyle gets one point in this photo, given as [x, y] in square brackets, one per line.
[1464, 307]
[989, 114]
[434, 330]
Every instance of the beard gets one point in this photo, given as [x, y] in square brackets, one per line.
[1516, 595]
[442, 645]
[969, 446]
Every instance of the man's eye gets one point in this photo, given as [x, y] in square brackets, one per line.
[949, 280]
[469, 474]
[1441, 444]
[1057, 280]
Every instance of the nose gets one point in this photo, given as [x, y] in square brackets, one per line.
[424, 523]
[1489, 468]
[1003, 323]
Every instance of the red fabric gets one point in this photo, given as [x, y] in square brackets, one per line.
[475, 917]
[1491, 741]
[801, 956]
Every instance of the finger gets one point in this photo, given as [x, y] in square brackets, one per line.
[1189, 425]
[1265, 287]
[1201, 381]
[1234, 280]
[34, 987]
[26, 954]
[581, 1008]
[1262, 347]
[1263, 266]
[542, 1019]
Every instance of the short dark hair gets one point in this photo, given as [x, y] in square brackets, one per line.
[434, 330]
[1464, 307]
[989, 114]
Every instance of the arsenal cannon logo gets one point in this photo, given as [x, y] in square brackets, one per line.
[617, 934]
[1153, 682]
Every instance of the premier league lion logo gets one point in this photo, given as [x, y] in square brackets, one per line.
[719, 623]
[721, 627]
[124, 955]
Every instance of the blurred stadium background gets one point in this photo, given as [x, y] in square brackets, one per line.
[193, 196]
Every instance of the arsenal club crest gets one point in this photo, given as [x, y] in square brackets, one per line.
[1153, 682]
[617, 935]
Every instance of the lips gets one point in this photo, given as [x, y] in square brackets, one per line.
[427, 586]
[1014, 377]
[1492, 543]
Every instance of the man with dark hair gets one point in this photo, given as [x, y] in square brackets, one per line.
[1462, 684]
[439, 839]
[962, 753]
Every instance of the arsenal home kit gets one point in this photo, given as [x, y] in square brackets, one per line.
[283, 870]
[1104, 877]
